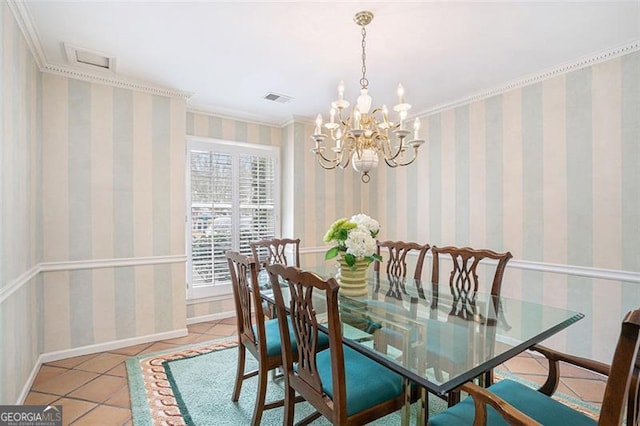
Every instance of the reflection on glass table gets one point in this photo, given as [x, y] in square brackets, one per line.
[437, 340]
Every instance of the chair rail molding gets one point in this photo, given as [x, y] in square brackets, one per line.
[18, 282]
[111, 263]
[555, 268]
[31, 273]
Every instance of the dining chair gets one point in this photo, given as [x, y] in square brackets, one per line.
[395, 254]
[274, 250]
[397, 251]
[343, 385]
[464, 284]
[510, 402]
[261, 338]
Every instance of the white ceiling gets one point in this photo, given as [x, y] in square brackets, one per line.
[230, 54]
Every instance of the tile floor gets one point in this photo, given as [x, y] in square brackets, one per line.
[93, 389]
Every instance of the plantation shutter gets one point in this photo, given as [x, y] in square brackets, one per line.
[233, 201]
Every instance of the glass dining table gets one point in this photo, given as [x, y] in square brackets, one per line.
[436, 339]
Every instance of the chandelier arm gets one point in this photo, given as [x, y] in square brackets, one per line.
[391, 163]
[385, 146]
[349, 146]
[341, 119]
[415, 155]
[336, 160]
[347, 162]
[327, 167]
[395, 155]
[330, 164]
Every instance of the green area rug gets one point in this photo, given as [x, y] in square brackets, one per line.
[192, 385]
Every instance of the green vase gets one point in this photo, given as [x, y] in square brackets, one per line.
[353, 280]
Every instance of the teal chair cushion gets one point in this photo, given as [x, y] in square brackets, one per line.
[536, 405]
[367, 382]
[273, 337]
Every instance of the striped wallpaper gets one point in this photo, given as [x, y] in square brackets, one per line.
[92, 194]
[113, 188]
[549, 172]
[21, 336]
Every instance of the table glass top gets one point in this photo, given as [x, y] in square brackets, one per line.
[434, 338]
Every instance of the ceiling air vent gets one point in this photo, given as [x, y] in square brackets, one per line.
[275, 97]
[88, 58]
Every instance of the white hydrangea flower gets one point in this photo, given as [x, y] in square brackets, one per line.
[364, 221]
[360, 243]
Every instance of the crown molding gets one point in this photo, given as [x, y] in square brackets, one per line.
[110, 80]
[299, 119]
[25, 23]
[230, 114]
[557, 70]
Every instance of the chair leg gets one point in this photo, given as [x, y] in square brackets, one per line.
[262, 392]
[289, 404]
[239, 373]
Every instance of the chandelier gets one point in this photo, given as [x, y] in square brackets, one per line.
[363, 136]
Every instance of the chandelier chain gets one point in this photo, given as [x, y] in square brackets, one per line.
[364, 83]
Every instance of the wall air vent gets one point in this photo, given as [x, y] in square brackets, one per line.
[276, 97]
[91, 59]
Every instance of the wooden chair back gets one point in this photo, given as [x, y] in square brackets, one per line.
[311, 300]
[396, 264]
[633, 402]
[463, 279]
[274, 250]
[302, 286]
[464, 284]
[246, 297]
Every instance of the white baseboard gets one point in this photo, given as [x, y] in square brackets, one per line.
[32, 377]
[114, 344]
[91, 349]
[211, 317]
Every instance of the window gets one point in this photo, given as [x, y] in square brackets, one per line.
[233, 200]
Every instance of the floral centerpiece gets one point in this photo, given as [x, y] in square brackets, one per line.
[355, 248]
[355, 239]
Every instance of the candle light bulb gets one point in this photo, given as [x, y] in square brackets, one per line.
[333, 115]
[400, 94]
[416, 128]
[356, 119]
[338, 138]
[341, 90]
[318, 124]
[403, 116]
